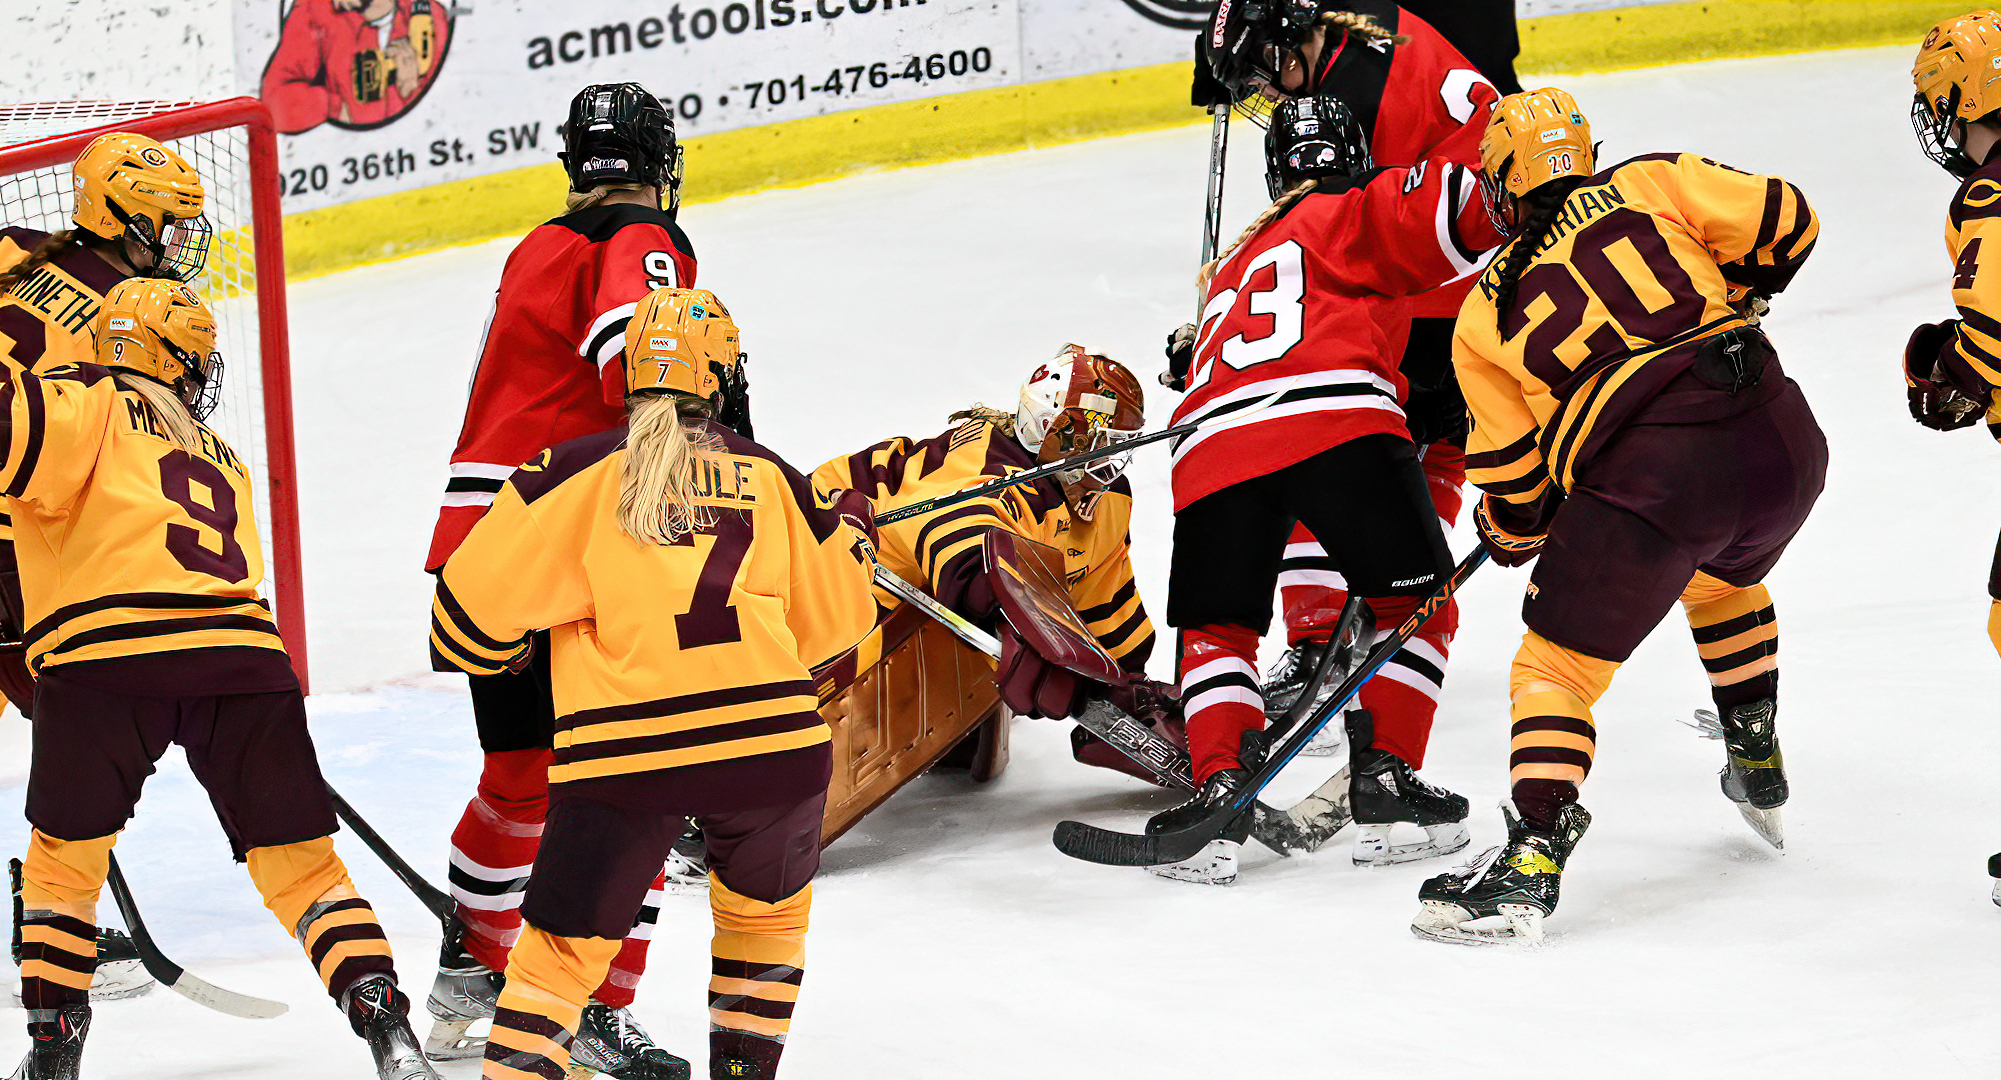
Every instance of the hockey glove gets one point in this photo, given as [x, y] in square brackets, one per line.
[856, 509]
[1934, 399]
[1147, 701]
[1435, 416]
[1031, 685]
[1513, 534]
[1180, 357]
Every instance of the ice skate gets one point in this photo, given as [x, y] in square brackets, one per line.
[120, 974]
[1754, 777]
[1216, 863]
[1503, 897]
[1994, 871]
[464, 993]
[611, 1042]
[688, 861]
[380, 1014]
[55, 1050]
[1383, 791]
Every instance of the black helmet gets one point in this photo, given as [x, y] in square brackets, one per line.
[620, 134]
[1248, 39]
[1312, 138]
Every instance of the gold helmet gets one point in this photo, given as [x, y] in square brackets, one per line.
[131, 186]
[1958, 78]
[162, 330]
[1532, 138]
[682, 340]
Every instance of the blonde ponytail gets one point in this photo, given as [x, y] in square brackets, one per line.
[1256, 226]
[584, 200]
[664, 459]
[1362, 28]
[167, 407]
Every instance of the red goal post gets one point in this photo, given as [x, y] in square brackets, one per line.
[234, 147]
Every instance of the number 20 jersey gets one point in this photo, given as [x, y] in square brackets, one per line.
[1312, 314]
[551, 365]
[127, 543]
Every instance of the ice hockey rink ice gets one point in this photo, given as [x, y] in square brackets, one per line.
[950, 939]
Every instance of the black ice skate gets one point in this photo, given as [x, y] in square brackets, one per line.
[1308, 666]
[464, 993]
[611, 1042]
[1754, 772]
[380, 1014]
[1502, 898]
[55, 1047]
[1383, 790]
[688, 860]
[1994, 871]
[1215, 864]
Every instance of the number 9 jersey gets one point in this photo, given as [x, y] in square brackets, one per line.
[127, 543]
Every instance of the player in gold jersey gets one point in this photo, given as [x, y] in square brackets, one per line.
[1075, 401]
[1631, 425]
[139, 572]
[691, 582]
[1953, 367]
[138, 213]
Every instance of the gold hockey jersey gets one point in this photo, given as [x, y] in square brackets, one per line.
[1975, 218]
[940, 552]
[1645, 257]
[661, 657]
[127, 543]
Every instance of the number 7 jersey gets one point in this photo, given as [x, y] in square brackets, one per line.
[127, 543]
[1311, 313]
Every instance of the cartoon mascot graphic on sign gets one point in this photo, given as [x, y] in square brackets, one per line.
[354, 63]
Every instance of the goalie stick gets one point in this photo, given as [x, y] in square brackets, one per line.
[1111, 848]
[1303, 828]
[173, 975]
[427, 894]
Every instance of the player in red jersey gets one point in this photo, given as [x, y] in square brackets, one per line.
[550, 370]
[1416, 97]
[1300, 337]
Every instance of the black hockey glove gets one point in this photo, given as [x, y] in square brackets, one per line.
[1180, 357]
[1935, 400]
[733, 412]
[1436, 416]
[1206, 91]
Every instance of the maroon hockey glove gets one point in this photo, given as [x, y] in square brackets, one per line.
[1935, 400]
[856, 509]
[1512, 534]
[1031, 685]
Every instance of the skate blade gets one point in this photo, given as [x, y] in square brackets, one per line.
[1766, 823]
[449, 1041]
[1373, 847]
[120, 980]
[1215, 864]
[1515, 926]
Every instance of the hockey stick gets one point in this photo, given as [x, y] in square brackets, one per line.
[1232, 412]
[173, 975]
[428, 895]
[1110, 848]
[1212, 211]
[1275, 829]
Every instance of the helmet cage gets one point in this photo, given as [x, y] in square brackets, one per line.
[180, 248]
[1248, 44]
[200, 384]
[1934, 130]
[1503, 209]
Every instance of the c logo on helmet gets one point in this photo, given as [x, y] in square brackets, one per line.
[154, 156]
[1931, 38]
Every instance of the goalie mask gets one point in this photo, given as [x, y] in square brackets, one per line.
[1076, 402]
[682, 340]
[618, 133]
[1532, 138]
[1958, 80]
[1313, 138]
[131, 187]
[162, 330]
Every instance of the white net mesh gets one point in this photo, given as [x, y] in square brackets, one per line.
[40, 199]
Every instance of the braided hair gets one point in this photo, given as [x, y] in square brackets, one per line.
[1270, 214]
[1544, 204]
[1363, 28]
[45, 252]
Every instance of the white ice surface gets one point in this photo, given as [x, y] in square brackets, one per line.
[950, 940]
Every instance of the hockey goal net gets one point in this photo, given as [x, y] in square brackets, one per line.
[232, 146]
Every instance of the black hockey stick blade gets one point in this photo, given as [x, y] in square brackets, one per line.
[1110, 848]
[427, 894]
[173, 975]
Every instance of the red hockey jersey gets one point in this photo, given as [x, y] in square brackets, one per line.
[1313, 309]
[551, 366]
[1418, 100]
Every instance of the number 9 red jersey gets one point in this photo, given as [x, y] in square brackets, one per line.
[1312, 310]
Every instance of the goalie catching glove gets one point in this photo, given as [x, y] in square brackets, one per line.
[1938, 399]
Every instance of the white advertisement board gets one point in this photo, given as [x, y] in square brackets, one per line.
[378, 96]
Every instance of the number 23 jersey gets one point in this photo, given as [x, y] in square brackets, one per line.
[127, 543]
[1313, 309]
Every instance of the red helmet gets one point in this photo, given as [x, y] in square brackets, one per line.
[1080, 401]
